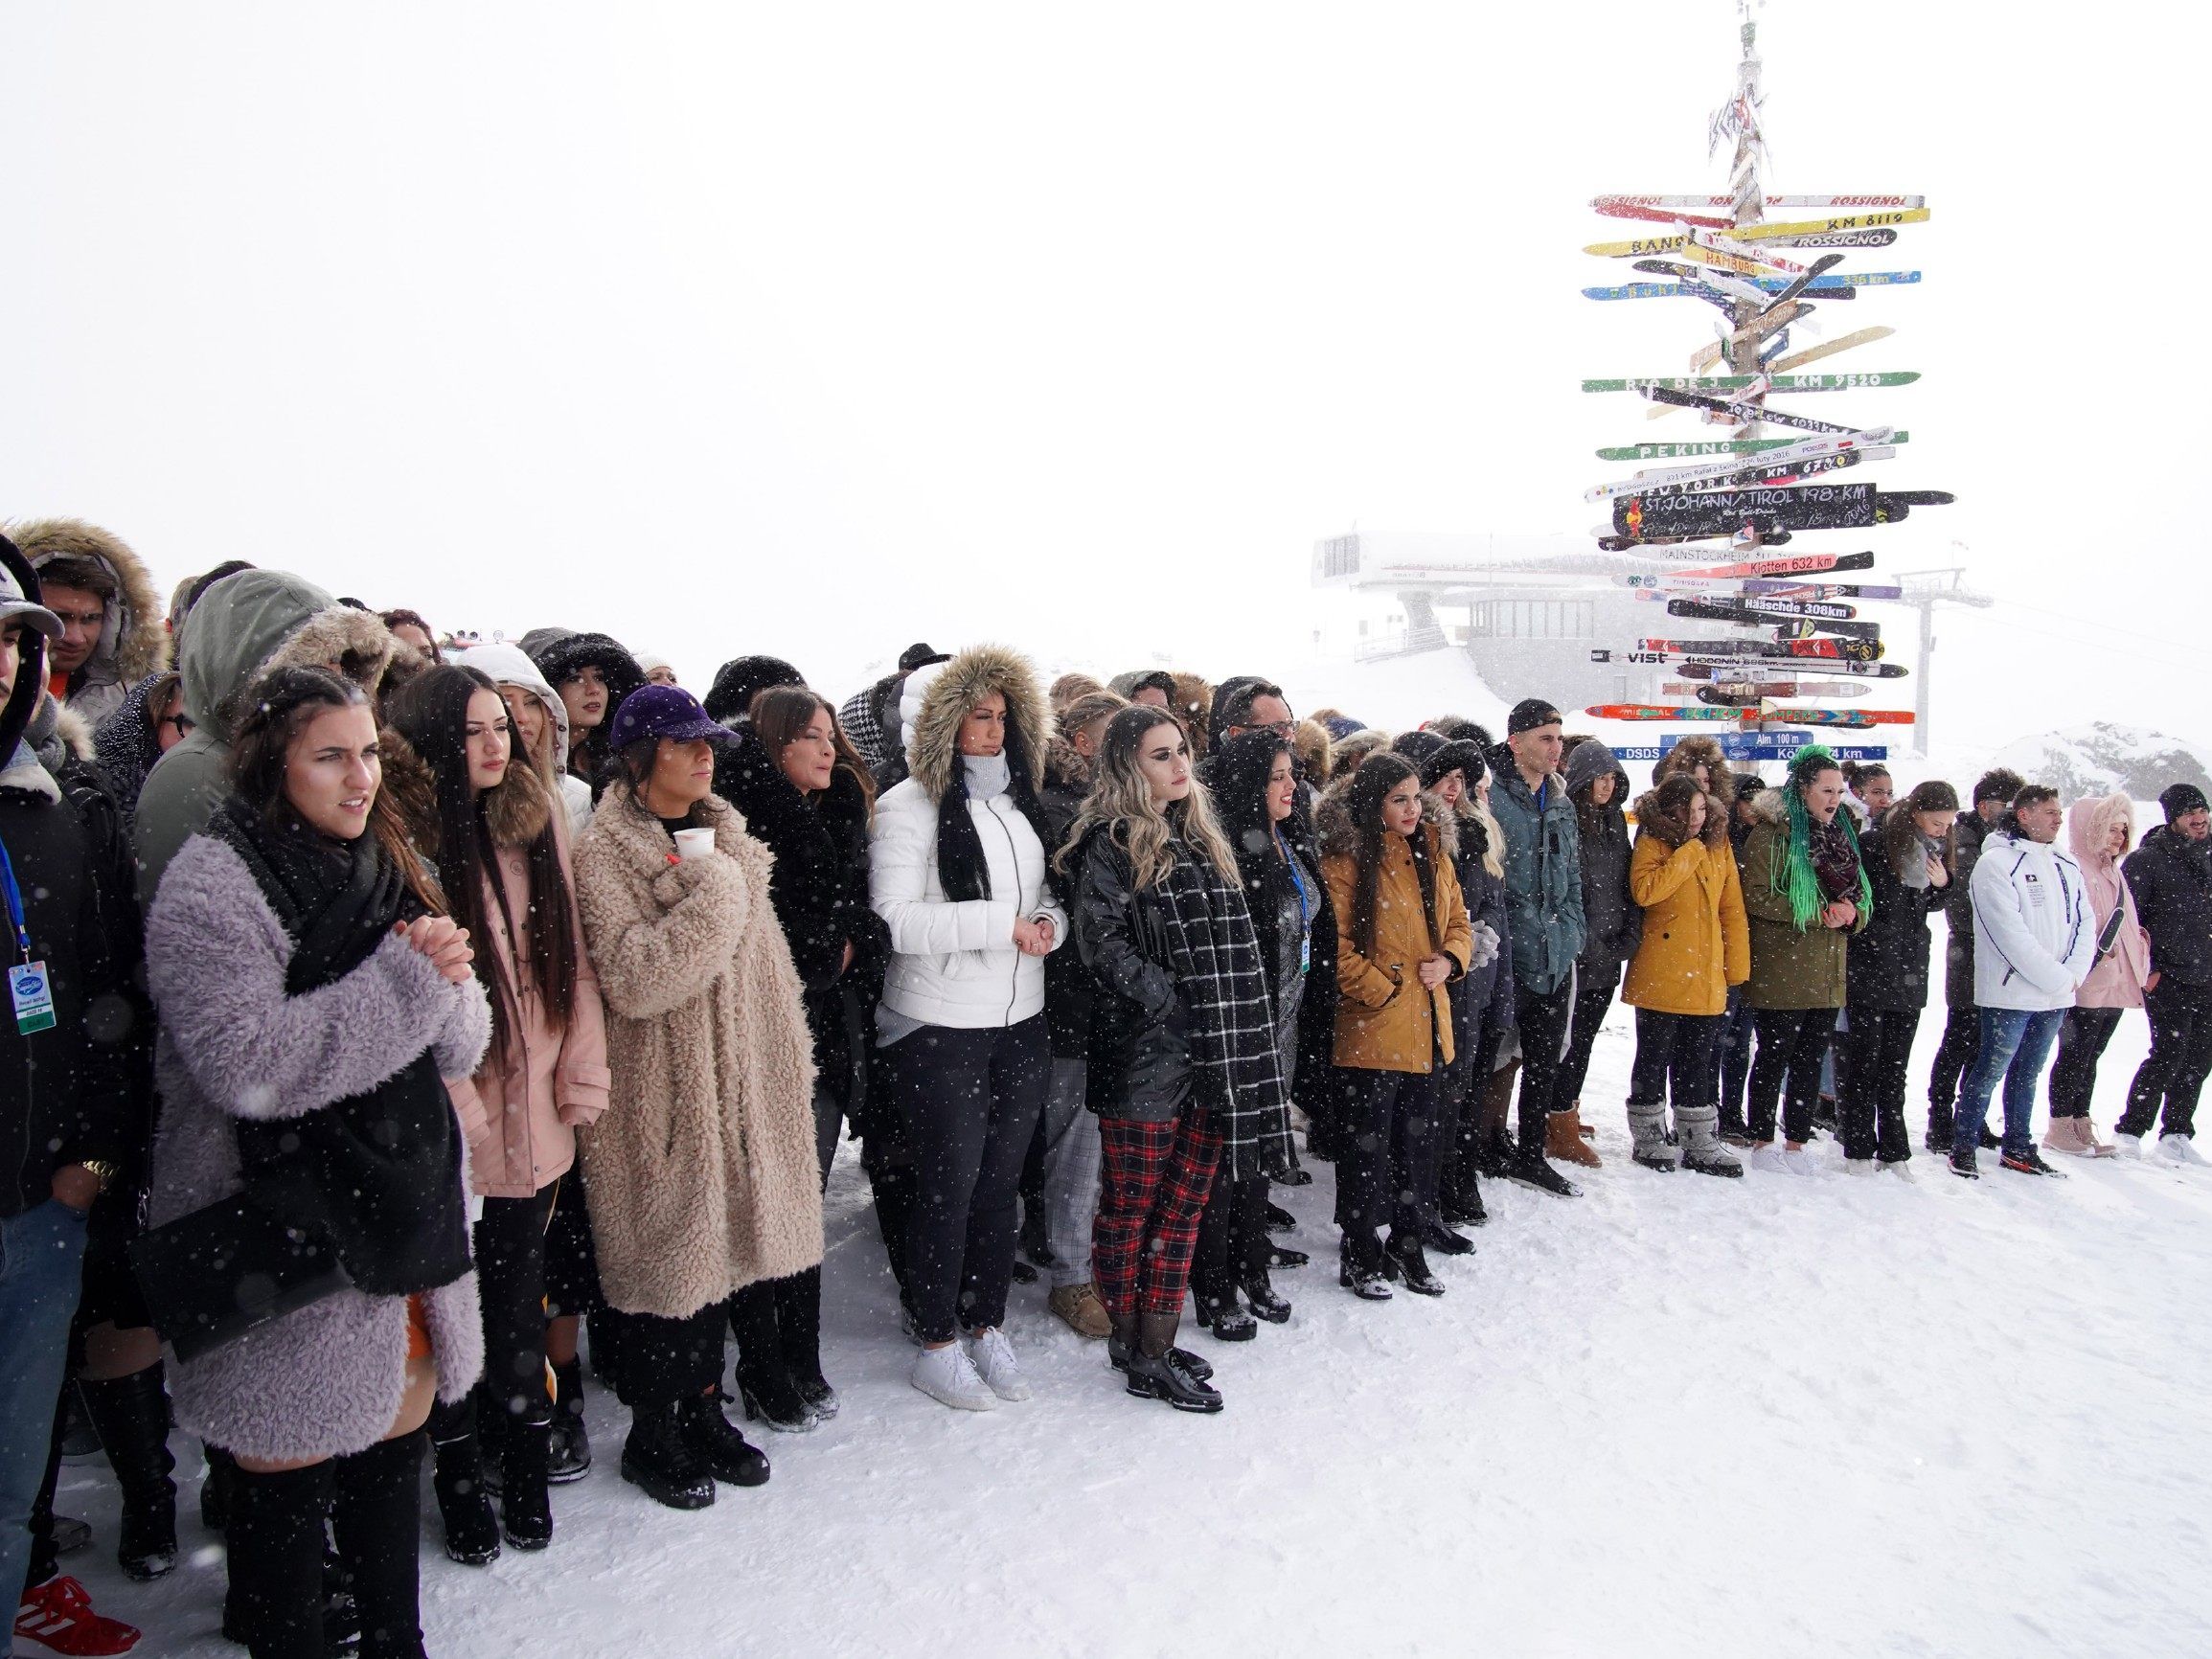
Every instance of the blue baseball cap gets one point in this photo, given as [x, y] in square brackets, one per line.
[665, 711]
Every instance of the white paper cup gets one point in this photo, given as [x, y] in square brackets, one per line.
[695, 844]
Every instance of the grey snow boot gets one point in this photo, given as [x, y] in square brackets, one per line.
[1648, 1130]
[1703, 1150]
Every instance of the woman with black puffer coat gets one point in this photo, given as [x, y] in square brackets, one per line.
[1613, 924]
[1457, 780]
[807, 794]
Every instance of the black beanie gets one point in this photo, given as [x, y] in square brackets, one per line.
[919, 655]
[741, 679]
[1459, 756]
[2177, 799]
[1529, 713]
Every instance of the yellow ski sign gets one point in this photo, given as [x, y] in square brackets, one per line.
[1642, 247]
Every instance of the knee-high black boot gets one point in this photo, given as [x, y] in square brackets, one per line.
[377, 1520]
[764, 1386]
[131, 1414]
[275, 1531]
[457, 1474]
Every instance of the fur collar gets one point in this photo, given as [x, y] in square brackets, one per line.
[135, 641]
[933, 724]
[516, 810]
[1334, 833]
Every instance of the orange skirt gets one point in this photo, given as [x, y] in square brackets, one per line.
[417, 1329]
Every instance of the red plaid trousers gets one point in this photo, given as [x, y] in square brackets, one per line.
[1152, 1184]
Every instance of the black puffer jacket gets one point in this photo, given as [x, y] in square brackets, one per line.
[1889, 957]
[1067, 981]
[2170, 878]
[819, 889]
[1958, 912]
[1140, 1050]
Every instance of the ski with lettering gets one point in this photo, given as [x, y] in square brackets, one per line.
[1842, 650]
[1639, 246]
[1837, 239]
[1776, 475]
[1719, 211]
[1759, 608]
[1750, 694]
[1792, 453]
[1787, 564]
[1829, 288]
[1733, 410]
[1708, 385]
[1691, 668]
[1692, 449]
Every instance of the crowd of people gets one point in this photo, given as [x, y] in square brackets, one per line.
[407, 1027]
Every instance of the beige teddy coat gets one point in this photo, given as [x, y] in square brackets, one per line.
[701, 1174]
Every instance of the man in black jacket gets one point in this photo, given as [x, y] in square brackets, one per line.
[2170, 876]
[1993, 797]
[66, 1102]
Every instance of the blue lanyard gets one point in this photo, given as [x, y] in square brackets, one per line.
[14, 901]
[1297, 880]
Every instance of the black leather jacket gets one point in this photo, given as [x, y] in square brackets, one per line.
[1139, 1043]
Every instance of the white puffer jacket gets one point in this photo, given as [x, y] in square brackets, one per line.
[954, 963]
[2034, 936]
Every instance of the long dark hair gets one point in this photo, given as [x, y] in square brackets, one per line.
[1664, 812]
[1243, 766]
[277, 709]
[1378, 775]
[961, 869]
[431, 712]
[781, 713]
[1900, 835]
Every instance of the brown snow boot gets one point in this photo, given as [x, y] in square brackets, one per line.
[1564, 1138]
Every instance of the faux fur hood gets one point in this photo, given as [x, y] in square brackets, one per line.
[1771, 807]
[506, 664]
[1334, 833]
[937, 698]
[258, 619]
[134, 642]
[1687, 755]
[517, 809]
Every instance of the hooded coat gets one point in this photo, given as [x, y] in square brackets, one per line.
[2117, 980]
[819, 890]
[327, 1380]
[2170, 878]
[1970, 832]
[702, 1174]
[565, 656]
[133, 639]
[1543, 879]
[244, 625]
[1696, 941]
[1612, 921]
[954, 963]
[509, 665]
[1790, 968]
[126, 748]
[1889, 957]
[1385, 1019]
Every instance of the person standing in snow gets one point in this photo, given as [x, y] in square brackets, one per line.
[957, 872]
[1543, 887]
[1257, 796]
[2099, 832]
[807, 796]
[1908, 859]
[1401, 934]
[1456, 777]
[1695, 946]
[2035, 940]
[2170, 876]
[113, 636]
[1612, 925]
[1185, 1071]
[312, 998]
[1805, 893]
[486, 818]
[1993, 797]
[540, 722]
[701, 1175]
[1068, 1131]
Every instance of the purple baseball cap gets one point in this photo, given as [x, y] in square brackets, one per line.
[664, 712]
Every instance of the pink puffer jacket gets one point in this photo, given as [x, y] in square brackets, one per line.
[2117, 980]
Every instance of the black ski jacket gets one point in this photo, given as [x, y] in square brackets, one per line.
[2170, 878]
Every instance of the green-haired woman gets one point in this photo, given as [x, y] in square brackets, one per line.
[1805, 893]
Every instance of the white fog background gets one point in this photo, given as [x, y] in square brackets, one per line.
[819, 328]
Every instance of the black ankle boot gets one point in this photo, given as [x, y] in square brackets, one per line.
[525, 1514]
[765, 1387]
[1460, 1203]
[1158, 1370]
[1359, 1270]
[1442, 1240]
[799, 1330]
[568, 1450]
[1265, 1305]
[457, 1476]
[131, 1414]
[1221, 1313]
[1402, 1260]
[658, 1457]
[376, 1518]
[275, 1534]
[717, 1443]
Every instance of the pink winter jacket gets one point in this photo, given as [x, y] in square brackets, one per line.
[521, 1121]
[2117, 980]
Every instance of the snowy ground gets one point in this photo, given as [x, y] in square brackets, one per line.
[1678, 1415]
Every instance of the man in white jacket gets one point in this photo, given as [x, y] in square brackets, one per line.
[2035, 942]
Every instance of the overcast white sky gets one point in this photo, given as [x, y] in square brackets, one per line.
[818, 328]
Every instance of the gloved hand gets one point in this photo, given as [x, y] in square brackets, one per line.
[1484, 946]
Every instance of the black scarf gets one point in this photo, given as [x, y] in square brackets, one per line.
[378, 1174]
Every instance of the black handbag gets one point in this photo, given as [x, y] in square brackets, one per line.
[226, 1269]
[2109, 935]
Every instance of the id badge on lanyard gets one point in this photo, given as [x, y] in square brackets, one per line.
[27, 987]
[1304, 913]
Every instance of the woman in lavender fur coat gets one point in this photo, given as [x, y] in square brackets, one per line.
[303, 977]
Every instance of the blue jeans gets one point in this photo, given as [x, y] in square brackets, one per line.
[2013, 1045]
[42, 1261]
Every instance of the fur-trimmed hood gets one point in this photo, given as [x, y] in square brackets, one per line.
[517, 809]
[1690, 754]
[938, 696]
[1064, 767]
[134, 641]
[1771, 807]
[258, 619]
[1334, 833]
[564, 658]
[507, 664]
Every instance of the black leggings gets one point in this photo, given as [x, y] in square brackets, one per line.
[1954, 1059]
[1388, 1163]
[1232, 1236]
[1594, 988]
[1677, 1047]
[1541, 1018]
[1873, 1081]
[2082, 1038]
[1792, 1041]
[511, 1288]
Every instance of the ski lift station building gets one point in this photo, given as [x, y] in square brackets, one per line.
[1537, 614]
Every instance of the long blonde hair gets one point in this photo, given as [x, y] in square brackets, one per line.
[1120, 796]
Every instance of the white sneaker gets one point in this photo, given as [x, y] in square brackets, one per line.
[2129, 1146]
[1900, 1168]
[2180, 1150]
[1800, 1162]
[948, 1375]
[993, 1360]
[1859, 1166]
[1766, 1155]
